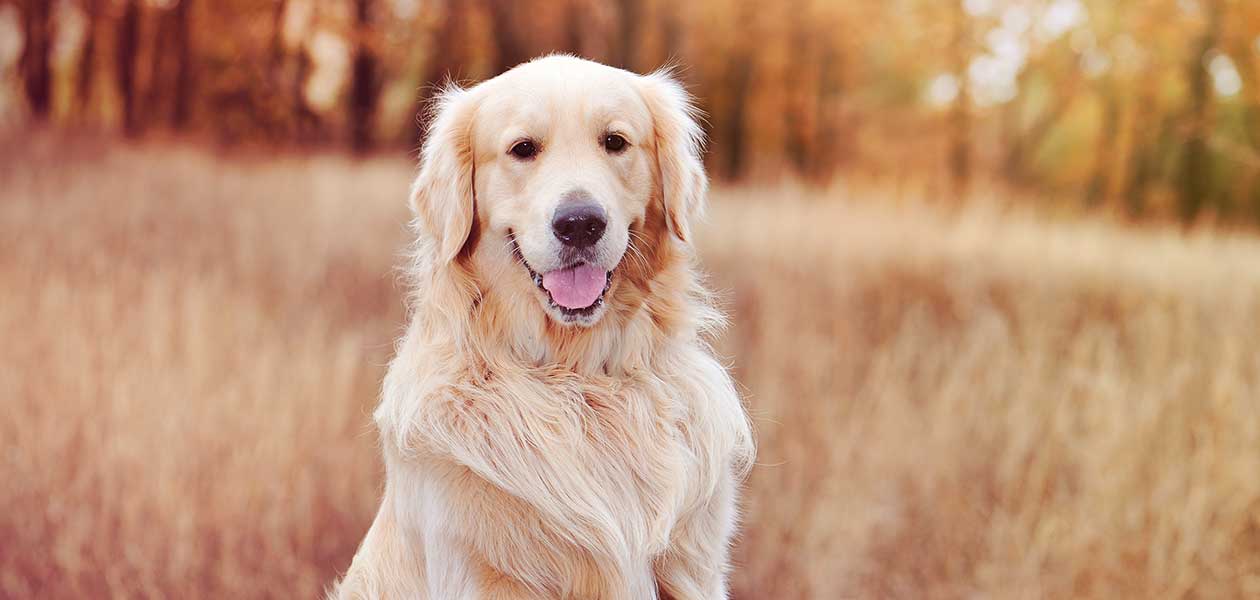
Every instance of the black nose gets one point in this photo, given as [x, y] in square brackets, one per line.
[579, 225]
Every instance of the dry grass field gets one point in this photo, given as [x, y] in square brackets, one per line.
[973, 405]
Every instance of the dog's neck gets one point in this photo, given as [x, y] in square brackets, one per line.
[653, 308]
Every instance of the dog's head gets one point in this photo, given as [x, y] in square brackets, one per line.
[555, 180]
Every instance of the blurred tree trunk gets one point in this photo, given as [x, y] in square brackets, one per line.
[802, 96]
[85, 71]
[573, 31]
[1136, 163]
[1249, 70]
[960, 116]
[181, 112]
[446, 59]
[275, 47]
[835, 141]
[1105, 147]
[364, 84]
[157, 93]
[126, 48]
[280, 71]
[1143, 165]
[672, 34]
[511, 49]
[34, 65]
[1196, 163]
[739, 71]
[628, 14]
[732, 129]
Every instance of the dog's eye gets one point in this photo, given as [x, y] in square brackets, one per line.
[615, 143]
[524, 150]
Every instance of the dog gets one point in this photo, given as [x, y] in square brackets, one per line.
[554, 424]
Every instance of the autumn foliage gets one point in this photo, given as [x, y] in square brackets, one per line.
[1141, 109]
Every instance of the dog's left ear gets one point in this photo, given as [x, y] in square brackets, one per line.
[679, 143]
[443, 197]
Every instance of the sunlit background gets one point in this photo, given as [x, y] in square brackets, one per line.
[1140, 108]
[992, 269]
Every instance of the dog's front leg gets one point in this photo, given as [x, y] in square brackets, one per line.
[696, 563]
[385, 566]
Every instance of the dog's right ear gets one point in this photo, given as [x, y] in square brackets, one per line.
[443, 195]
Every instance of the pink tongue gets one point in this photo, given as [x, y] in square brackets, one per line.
[576, 287]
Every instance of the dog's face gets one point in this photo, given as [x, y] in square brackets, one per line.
[564, 167]
[544, 176]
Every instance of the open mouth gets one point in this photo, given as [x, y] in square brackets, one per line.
[575, 290]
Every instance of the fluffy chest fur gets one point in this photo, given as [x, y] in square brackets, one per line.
[563, 480]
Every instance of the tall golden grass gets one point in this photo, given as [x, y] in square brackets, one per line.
[972, 404]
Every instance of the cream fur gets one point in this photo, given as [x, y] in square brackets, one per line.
[526, 458]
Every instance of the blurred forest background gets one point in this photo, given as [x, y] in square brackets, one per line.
[1144, 108]
[991, 266]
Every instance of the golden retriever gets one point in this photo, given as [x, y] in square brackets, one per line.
[554, 424]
